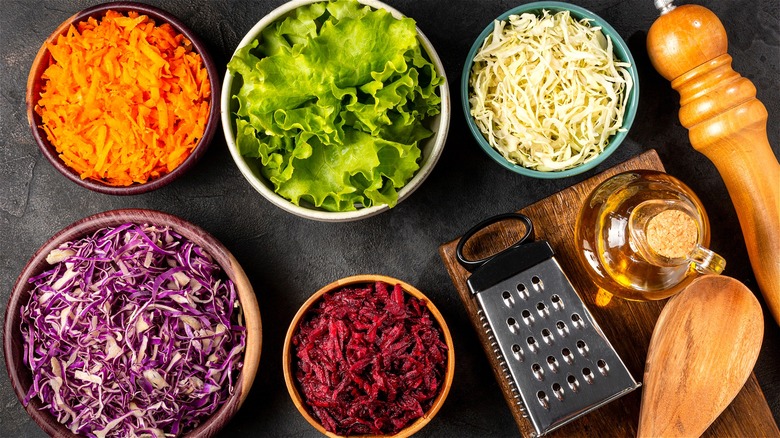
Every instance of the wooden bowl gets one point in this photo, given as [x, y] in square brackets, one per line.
[287, 355]
[21, 376]
[35, 85]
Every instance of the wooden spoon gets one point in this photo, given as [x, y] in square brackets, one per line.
[703, 349]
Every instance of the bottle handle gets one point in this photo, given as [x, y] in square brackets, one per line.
[706, 261]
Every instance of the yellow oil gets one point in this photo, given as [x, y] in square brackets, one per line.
[605, 244]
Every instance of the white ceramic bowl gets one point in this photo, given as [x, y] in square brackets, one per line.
[431, 148]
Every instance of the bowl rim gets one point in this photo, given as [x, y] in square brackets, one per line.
[431, 150]
[251, 312]
[287, 357]
[41, 61]
[619, 45]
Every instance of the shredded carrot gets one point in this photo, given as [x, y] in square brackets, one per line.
[124, 101]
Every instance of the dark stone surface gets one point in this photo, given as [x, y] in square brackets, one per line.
[288, 258]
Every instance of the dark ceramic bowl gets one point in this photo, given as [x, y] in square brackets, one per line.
[21, 376]
[621, 52]
[35, 85]
[360, 280]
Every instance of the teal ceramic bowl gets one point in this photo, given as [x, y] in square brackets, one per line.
[621, 52]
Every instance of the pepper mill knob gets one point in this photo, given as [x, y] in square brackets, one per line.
[688, 46]
[683, 38]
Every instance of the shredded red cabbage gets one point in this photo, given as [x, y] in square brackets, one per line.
[134, 331]
[370, 361]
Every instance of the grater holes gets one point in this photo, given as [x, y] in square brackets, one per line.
[603, 367]
[588, 375]
[523, 291]
[528, 319]
[543, 400]
[563, 330]
[542, 309]
[557, 303]
[517, 352]
[547, 336]
[538, 371]
[509, 300]
[583, 348]
[557, 391]
[552, 363]
[512, 324]
[567, 356]
[532, 344]
[574, 384]
[537, 283]
[577, 320]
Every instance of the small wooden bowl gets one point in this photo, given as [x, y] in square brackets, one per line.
[35, 85]
[287, 356]
[21, 376]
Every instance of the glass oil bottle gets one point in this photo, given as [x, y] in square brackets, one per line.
[642, 235]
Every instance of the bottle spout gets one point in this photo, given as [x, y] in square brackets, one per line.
[664, 6]
[667, 233]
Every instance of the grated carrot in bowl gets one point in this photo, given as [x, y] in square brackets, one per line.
[124, 101]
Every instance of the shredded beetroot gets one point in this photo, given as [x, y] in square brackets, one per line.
[370, 361]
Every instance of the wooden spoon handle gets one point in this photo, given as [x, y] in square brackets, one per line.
[728, 125]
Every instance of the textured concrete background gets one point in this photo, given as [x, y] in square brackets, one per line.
[288, 258]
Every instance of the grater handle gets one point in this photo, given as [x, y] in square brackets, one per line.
[470, 265]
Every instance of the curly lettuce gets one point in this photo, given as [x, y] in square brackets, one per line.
[333, 104]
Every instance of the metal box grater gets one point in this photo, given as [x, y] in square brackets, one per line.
[553, 354]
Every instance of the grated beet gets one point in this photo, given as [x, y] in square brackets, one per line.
[370, 361]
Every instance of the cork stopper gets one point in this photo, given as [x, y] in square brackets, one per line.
[672, 234]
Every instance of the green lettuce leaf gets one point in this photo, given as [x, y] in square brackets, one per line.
[333, 103]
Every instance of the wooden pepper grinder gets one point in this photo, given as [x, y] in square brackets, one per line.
[687, 45]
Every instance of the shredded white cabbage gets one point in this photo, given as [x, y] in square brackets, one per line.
[547, 92]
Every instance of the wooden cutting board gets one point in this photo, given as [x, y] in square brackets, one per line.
[628, 325]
